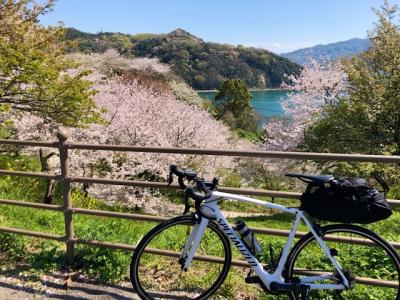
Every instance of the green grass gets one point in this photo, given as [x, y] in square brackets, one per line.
[112, 265]
[37, 256]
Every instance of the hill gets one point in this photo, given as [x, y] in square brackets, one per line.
[203, 65]
[329, 51]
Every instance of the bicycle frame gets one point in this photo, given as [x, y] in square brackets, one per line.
[211, 210]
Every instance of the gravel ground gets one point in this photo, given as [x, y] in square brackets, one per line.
[55, 287]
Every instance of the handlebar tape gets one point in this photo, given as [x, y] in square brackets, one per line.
[202, 186]
[189, 191]
[194, 195]
[173, 169]
[197, 196]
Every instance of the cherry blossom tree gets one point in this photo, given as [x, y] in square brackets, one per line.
[137, 115]
[111, 62]
[316, 87]
[140, 117]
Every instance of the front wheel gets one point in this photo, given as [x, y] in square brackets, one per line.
[366, 259]
[155, 269]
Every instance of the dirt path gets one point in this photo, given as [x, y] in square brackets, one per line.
[54, 287]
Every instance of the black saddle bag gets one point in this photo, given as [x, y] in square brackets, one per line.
[345, 200]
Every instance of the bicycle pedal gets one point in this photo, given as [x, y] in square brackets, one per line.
[252, 279]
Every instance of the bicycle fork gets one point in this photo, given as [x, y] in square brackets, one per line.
[192, 243]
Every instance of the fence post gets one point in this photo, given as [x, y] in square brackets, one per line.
[66, 188]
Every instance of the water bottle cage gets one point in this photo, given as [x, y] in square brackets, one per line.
[250, 246]
[247, 236]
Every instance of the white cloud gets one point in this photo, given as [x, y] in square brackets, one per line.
[277, 45]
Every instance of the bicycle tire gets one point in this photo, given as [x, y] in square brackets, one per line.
[160, 277]
[378, 260]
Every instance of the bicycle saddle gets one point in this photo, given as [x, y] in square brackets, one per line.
[312, 178]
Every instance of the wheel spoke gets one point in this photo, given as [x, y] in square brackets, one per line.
[372, 267]
[168, 281]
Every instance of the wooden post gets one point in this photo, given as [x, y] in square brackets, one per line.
[66, 188]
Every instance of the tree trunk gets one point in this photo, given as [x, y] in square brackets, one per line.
[51, 187]
[51, 184]
[397, 133]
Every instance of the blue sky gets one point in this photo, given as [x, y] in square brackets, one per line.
[278, 25]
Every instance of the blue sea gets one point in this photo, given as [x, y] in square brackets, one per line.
[266, 103]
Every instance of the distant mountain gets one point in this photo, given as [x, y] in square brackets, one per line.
[201, 64]
[328, 52]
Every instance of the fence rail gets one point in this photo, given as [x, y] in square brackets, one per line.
[68, 210]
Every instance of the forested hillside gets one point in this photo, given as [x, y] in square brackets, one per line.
[331, 51]
[201, 64]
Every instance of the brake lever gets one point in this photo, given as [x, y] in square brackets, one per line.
[170, 178]
[186, 198]
[215, 183]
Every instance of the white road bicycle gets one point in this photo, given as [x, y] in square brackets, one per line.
[189, 257]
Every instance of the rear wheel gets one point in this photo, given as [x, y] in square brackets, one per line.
[157, 274]
[365, 259]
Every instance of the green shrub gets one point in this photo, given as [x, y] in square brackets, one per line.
[46, 257]
[104, 264]
[13, 245]
[230, 178]
[256, 135]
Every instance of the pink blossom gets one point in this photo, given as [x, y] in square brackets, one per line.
[316, 87]
[135, 115]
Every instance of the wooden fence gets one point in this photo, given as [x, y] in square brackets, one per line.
[70, 239]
